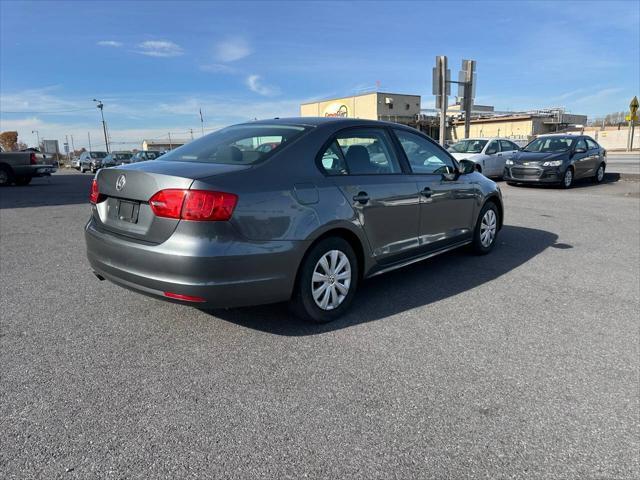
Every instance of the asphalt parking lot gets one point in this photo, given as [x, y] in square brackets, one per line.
[519, 364]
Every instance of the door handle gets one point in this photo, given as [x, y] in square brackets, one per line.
[361, 197]
[426, 192]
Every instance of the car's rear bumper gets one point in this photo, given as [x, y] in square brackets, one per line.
[533, 175]
[223, 274]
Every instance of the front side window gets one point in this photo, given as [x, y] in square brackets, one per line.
[581, 144]
[592, 145]
[492, 148]
[424, 156]
[367, 151]
[507, 146]
[238, 144]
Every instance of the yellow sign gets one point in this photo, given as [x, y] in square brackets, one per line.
[633, 106]
[630, 118]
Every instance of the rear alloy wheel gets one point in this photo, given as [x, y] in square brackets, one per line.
[599, 176]
[486, 232]
[327, 281]
[567, 179]
[5, 176]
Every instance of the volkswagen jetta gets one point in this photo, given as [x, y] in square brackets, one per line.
[221, 222]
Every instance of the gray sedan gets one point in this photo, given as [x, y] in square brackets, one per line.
[220, 222]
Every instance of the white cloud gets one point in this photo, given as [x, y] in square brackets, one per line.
[110, 43]
[159, 48]
[254, 82]
[217, 68]
[232, 49]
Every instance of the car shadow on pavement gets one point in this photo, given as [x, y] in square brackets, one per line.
[61, 188]
[418, 285]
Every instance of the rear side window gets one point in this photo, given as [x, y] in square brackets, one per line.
[423, 156]
[239, 144]
[332, 161]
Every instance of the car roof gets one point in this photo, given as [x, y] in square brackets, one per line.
[320, 121]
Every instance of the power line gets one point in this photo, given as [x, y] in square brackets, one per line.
[50, 112]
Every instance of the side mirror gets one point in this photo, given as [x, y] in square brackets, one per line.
[467, 166]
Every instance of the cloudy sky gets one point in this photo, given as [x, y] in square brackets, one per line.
[155, 64]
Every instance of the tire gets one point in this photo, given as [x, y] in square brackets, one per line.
[6, 176]
[512, 184]
[599, 176]
[567, 178]
[81, 169]
[334, 251]
[486, 231]
[21, 181]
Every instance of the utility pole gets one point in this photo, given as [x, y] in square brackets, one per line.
[633, 110]
[466, 79]
[73, 147]
[66, 147]
[100, 105]
[441, 89]
[37, 137]
[201, 122]
[170, 145]
[89, 137]
[191, 131]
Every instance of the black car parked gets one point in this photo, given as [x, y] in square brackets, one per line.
[558, 159]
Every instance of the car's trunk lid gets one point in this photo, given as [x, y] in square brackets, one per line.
[126, 210]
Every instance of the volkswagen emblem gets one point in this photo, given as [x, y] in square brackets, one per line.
[122, 180]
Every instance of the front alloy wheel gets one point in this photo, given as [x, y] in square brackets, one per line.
[599, 174]
[486, 232]
[488, 228]
[567, 180]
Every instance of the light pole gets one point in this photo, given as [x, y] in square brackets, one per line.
[37, 137]
[100, 105]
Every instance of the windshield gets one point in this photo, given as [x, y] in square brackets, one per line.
[152, 155]
[549, 144]
[469, 146]
[122, 156]
[239, 144]
[98, 154]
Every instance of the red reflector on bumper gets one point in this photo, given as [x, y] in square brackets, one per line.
[186, 298]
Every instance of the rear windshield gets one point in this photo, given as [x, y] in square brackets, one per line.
[469, 146]
[550, 144]
[240, 144]
[98, 154]
[122, 156]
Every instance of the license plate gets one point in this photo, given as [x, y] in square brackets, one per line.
[128, 211]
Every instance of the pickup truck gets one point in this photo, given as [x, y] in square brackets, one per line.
[21, 167]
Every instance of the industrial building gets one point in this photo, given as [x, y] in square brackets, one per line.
[406, 109]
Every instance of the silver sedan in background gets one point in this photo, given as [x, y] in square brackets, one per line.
[489, 154]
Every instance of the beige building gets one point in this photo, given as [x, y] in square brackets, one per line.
[391, 107]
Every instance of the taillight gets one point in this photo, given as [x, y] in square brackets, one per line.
[195, 205]
[94, 195]
[34, 159]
